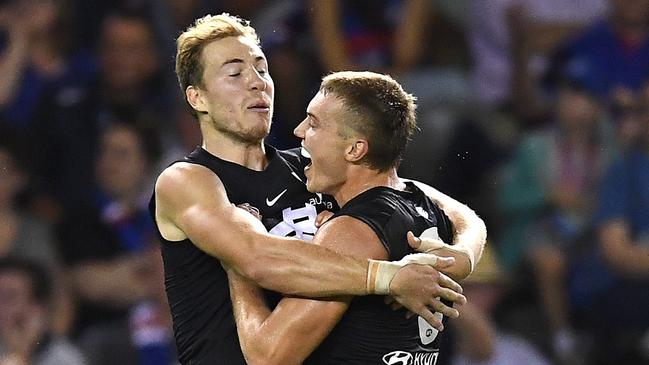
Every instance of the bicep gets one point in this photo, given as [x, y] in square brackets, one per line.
[191, 202]
[305, 323]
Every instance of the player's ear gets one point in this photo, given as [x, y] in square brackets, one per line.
[357, 150]
[195, 99]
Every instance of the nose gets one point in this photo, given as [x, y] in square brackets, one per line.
[299, 130]
[258, 82]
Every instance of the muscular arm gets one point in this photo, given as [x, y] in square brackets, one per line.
[191, 202]
[470, 232]
[297, 326]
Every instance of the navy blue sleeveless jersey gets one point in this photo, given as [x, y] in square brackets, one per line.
[370, 332]
[196, 284]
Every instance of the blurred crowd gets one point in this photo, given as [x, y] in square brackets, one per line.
[533, 112]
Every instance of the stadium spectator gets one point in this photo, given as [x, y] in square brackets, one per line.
[547, 197]
[38, 57]
[68, 131]
[26, 336]
[111, 252]
[23, 235]
[621, 280]
[612, 56]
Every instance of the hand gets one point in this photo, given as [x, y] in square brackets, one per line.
[250, 209]
[417, 287]
[433, 244]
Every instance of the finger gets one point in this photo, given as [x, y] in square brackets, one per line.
[413, 241]
[446, 282]
[396, 306]
[444, 309]
[432, 319]
[452, 296]
[444, 262]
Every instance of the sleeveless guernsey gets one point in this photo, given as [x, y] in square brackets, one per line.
[196, 284]
[370, 332]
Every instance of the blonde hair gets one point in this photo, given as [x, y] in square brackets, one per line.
[205, 30]
[382, 112]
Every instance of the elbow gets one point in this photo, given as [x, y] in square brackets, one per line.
[252, 269]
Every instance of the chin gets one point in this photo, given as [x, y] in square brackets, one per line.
[310, 187]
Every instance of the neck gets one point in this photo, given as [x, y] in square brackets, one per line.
[248, 154]
[361, 178]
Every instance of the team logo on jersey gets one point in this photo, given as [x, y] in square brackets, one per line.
[406, 358]
[428, 333]
[398, 358]
[297, 222]
[421, 212]
[271, 202]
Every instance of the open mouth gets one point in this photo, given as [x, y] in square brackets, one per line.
[304, 152]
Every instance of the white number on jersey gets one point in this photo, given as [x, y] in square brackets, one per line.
[301, 221]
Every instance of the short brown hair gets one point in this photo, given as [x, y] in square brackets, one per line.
[383, 113]
[205, 30]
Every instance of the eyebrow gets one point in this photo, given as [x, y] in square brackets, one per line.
[239, 60]
[312, 116]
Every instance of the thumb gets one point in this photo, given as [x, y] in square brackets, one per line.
[413, 241]
[444, 262]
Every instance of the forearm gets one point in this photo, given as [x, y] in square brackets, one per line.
[296, 268]
[250, 311]
[411, 30]
[285, 336]
[329, 36]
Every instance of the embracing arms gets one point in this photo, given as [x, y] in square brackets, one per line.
[191, 202]
[289, 333]
[469, 237]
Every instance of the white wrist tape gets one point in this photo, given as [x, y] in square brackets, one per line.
[431, 242]
[381, 273]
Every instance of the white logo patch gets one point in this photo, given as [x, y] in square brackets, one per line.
[428, 333]
[270, 203]
[397, 358]
[301, 221]
[421, 212]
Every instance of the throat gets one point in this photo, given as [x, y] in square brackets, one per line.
[247, 155]
[366, 179]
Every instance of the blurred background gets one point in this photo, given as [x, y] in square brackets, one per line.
[533, 112]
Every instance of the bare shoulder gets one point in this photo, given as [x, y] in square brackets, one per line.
[352, 237]
[186, 182]
[182, 190]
